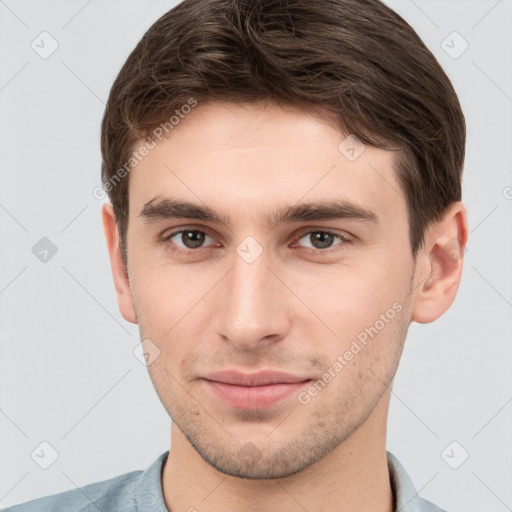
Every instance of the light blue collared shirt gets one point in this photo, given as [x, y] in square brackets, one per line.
[141, 491]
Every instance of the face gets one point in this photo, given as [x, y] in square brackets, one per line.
[271, 272]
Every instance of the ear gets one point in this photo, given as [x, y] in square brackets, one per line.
[439, 265]
[119, 272]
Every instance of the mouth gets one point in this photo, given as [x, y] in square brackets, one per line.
[253, 391]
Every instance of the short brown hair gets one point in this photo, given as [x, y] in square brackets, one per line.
[356, 58]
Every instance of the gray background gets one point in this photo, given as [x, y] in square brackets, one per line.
[68, 375]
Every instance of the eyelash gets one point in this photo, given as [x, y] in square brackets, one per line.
[343, 240]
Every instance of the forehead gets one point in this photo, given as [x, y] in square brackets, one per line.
[257, 157]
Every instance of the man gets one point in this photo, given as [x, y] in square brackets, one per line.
[285, 186]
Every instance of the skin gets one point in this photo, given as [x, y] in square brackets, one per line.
[295, 308]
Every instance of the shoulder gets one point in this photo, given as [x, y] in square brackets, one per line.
[113, 494]
[122, 493]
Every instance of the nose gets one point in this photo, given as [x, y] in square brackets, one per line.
[252, 309]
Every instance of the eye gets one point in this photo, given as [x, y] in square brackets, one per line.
[189, 238]
[193, 239]
[321, 239]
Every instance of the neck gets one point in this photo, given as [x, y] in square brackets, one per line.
[352, 477]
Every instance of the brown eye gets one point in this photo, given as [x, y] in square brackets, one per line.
[189, 238]
[321, 239]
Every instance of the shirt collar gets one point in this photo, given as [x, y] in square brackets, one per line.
[405, 496]
[150, 495]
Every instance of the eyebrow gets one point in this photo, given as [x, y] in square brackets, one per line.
[165, 209]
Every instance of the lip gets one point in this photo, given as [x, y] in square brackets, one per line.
[261, 378]
[255, 390]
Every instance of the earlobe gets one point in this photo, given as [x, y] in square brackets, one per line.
[119, 271]
[439, 265]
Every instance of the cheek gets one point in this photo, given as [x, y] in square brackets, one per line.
[173, 308]
[349, 299]
[162, 291]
